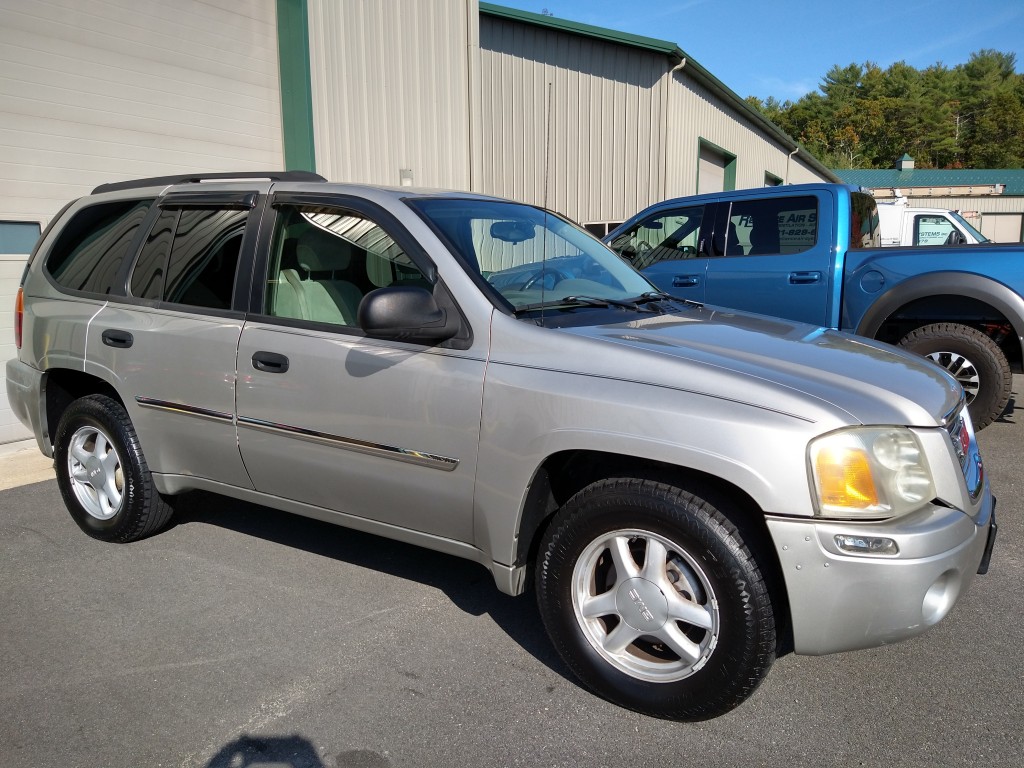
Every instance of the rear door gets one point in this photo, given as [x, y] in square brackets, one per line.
[171, 344]
[768, 255]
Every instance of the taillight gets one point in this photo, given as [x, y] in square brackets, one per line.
[19, 315]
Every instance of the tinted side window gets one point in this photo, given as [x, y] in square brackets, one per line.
[190, 257]
[864, 229]
[766, 227]
[324, 260]
[90, 249]
[147, 280]
[204, 257]
[664, 236]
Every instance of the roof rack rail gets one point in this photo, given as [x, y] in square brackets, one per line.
[165, 181]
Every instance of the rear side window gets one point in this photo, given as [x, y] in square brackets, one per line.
[190, 257]
[90, 249]
[767, 227]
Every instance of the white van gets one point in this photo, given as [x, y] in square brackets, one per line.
[901, 225]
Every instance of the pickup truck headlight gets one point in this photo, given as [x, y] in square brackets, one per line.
[870, 472]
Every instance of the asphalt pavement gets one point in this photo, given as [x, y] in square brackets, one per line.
[246, 637]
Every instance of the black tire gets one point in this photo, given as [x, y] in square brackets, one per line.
[712, 572]
[974, 359]
[103, 475]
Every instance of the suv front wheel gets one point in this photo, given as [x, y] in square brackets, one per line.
[103, 475]
[652, 598]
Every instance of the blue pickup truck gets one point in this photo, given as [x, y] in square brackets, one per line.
[812, 252]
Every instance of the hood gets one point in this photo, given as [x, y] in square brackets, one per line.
[811, 373]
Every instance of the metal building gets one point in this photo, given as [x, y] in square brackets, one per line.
[435, 93]
[600, 124]
[992, 200]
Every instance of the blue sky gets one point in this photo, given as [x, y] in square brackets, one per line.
[784, 48]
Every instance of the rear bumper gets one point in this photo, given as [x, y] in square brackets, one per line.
[26, 396]
[843, 602]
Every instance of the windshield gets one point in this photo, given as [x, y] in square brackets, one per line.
[531, 258]
[963, 222]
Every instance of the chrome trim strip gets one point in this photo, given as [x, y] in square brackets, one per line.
[185, 410]
[406, 455]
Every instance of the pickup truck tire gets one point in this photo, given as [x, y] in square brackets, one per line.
[651, 597]
[103, 475]
[974, 359]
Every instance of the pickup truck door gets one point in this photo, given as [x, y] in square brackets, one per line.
[382, 430]
[768, 256]
[665, 246]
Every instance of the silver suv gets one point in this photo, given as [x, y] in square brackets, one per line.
[690, 492]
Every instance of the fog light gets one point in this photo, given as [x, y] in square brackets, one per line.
[866, 545]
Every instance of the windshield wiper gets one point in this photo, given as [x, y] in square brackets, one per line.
[653, 296]
[583, 301]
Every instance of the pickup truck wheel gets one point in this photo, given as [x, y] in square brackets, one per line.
[975, 361]
[102, 473]
[651, 597]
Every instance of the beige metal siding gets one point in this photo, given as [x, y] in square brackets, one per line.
[605, 127]
[104, 90]
[695, 114]
[391, 85]
[625, 129]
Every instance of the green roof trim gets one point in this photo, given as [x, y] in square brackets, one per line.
[676, 54]
[1013, 179]
[666, 47]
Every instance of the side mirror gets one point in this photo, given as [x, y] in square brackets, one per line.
[406, 313]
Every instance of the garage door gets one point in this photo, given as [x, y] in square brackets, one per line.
[16, 240]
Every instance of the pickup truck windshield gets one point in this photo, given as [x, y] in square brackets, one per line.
[971, 229]
[531, 257]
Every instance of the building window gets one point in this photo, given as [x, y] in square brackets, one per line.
[18, 236]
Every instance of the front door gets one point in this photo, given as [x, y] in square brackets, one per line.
[383, 430]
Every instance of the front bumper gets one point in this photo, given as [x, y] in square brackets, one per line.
[843, 602]
[25, 394]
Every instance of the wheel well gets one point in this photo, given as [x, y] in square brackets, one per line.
[63, 387]
[564, 474]
[949, 308]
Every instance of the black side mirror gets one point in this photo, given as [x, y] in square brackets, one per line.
[406, 313]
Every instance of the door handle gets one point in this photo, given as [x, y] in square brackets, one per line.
[804, 278]
[119, 339]
[685, 281]
[269, 362]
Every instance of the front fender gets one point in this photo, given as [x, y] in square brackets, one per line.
[531, 415]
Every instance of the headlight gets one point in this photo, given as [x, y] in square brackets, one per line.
[870, 472]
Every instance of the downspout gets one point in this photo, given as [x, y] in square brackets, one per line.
[788, 158]
[664, 128]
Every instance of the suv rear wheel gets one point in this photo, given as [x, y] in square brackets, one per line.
[102, 473]
[652, 598]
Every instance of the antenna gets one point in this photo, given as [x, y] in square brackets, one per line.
[547, 165]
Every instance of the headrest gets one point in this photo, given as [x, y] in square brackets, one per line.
[319, 251]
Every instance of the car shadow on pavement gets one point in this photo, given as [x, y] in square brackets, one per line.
[467, 584]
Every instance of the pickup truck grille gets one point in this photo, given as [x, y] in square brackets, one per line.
[965, 447]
